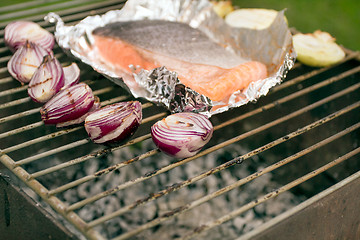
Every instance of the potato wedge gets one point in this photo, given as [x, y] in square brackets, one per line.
[317, 49]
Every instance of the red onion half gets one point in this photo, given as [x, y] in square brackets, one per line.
[71, 74]
[47, 80]
[115, 122]
[68, 104]
[25, 61]
[183, 134]
[16, 33]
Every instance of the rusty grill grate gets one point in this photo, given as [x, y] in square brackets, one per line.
[304, 131]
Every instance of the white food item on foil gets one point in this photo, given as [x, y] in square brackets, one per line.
[271, 46]
[253, 18]
[317, 49]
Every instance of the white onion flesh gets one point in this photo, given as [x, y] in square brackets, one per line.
[71, 75]
[114, 123]
[25, 61]
[47, 80]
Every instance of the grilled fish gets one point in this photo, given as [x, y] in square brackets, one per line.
[201, 64]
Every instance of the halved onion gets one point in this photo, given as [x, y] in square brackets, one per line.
[182, 134]
[68, 104]
[47, 80]
[253, 18]
[114, 123]
[317, 49]
[18, 32]
[25, 61]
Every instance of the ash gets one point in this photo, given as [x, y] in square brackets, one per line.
[186, 222]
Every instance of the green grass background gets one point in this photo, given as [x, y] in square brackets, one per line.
[341, 18]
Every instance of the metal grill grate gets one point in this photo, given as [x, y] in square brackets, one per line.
[304, 130]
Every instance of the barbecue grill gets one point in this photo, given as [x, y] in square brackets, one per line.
[299, 141]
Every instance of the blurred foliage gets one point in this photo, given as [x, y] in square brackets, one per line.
[7, 2]
[341, 18]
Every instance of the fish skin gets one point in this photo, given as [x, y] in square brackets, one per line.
[174, 39]
[130, 46]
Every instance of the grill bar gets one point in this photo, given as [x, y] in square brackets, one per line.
[52, 152]
[39, 10]
[6, 79]
[221, 167]
[22, 129]
[85, 158]
[19, 115]
[40, 139]
[14, 103]
[12, 91]
[23, 5]
[102, 172]
[89, 8]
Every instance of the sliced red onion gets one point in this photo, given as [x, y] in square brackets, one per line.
[47, 80]
[96, 106]
[16, 33]
[71, 74]
[183, 134]
[25, 61]
[114, 123]
[68, 104]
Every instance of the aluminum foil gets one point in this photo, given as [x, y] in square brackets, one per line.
[271, 46]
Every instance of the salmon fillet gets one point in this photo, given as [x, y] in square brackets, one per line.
[201, 64]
